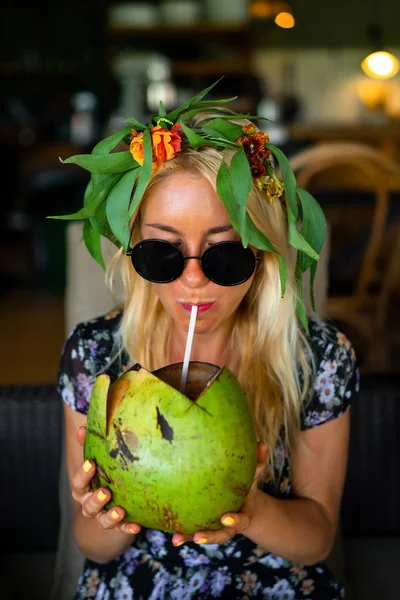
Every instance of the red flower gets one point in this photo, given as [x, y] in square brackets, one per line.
[257, 169]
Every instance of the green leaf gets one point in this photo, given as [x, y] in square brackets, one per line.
[83, 213]
[188, 115]
[288, 177]
[101, 186]
[300, 308]
[102, 227]
[99, 222]
[138, 126]
[228, 130]
[282, 274]
[210, 103]
[256, 237]
[313, 271]
[117, 207]
[116, 162]
[173, 116]
[241, 183]
[222, 143]
[88, 192]
[161, 111]
[295, 237]
[106, 145]
[203, 107]
[225, 192]
[244, 116]
[313, 227]
[92, 241]
[260, 241]
[145, 173]
[194, 139]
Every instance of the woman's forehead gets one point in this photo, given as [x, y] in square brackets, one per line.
[184, 196]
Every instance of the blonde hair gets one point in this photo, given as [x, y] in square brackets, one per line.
[268, 344]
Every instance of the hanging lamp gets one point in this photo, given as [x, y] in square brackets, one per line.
[379, 64]
[278, 10]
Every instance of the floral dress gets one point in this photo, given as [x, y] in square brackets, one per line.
[152, 568]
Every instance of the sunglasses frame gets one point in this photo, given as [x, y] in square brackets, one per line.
[257, 257]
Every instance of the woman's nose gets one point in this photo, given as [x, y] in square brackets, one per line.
[193, 275]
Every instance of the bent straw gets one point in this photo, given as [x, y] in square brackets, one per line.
[188, 348]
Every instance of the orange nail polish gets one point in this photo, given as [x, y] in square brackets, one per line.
[179, 543]
[101, 496]
[87, 465]
[228, 521]
[115, 515]
[201, 541]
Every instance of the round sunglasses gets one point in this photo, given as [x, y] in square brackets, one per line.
[224, 263]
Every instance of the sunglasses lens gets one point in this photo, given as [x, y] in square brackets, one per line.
[157, 261]
[228, 263]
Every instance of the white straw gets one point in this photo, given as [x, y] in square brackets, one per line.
[188, 348]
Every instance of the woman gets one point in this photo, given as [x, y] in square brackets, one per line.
[299, 375]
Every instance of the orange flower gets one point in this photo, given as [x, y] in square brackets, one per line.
[249, 129]
[165, 145]
[262, 137]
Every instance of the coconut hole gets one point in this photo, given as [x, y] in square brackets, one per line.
[200, 377]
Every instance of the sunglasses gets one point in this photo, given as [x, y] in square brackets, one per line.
[225, 263]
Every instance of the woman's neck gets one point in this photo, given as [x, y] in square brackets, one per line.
[213, 347]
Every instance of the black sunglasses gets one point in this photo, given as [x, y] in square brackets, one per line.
[225, 263]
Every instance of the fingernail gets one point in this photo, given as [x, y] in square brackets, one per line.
[228, 521]
[101, 496]
[87, 465]
[134, 529]
[179, 543]
[201, 541]
[115, 515]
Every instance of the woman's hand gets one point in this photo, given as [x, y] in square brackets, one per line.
[93, 502]
[233, 523]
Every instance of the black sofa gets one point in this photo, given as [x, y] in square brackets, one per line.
[30, 454]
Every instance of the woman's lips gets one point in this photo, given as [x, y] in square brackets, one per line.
[201, 308]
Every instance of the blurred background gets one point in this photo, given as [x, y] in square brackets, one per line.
[72, 71]
[326, 75]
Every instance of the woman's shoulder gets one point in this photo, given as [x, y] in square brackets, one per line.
[334, 373]
[87, 352]
[326, 338]
[99, 329]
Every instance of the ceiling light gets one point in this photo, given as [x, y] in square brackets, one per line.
[285, 20]
[380, 65]
[270, 9]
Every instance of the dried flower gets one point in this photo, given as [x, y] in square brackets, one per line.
[249, 129]
[253, 143]
[257, 169]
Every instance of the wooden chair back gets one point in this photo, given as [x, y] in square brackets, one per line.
[353, 167]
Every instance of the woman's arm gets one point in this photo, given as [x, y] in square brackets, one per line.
[99, 535]
[302, 529]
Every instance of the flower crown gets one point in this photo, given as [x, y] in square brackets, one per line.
[119, 180]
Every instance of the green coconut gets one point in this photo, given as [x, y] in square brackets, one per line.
[174, 462]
